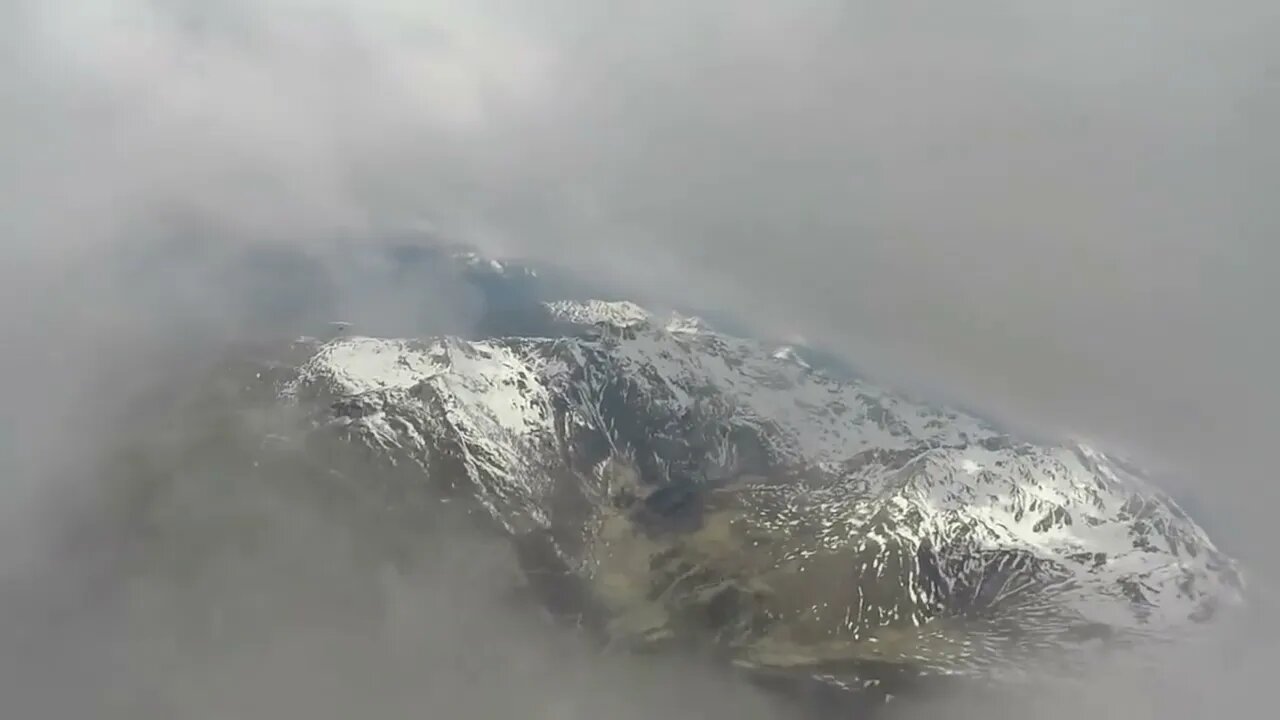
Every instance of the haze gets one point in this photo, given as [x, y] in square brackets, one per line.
[1059, 213]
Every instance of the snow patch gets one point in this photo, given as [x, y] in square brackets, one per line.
[621, 314]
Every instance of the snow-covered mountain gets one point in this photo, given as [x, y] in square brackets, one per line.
[669, 485]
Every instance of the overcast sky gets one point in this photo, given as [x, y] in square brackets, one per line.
[1058, 210]
[1062, 213]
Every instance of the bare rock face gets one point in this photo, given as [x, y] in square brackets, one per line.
[669, 485]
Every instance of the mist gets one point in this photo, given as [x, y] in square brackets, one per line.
[1060, 215]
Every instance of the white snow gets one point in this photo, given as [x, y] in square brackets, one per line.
[1043, 500]
[617, 313]
[360, 364]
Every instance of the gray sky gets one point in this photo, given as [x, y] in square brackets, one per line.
[1061, 213]
[1056, 211]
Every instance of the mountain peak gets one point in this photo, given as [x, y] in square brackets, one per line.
[696, 484]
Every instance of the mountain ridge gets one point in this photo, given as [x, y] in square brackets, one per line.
[693, 484]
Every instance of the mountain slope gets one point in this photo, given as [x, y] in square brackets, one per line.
[685, 487]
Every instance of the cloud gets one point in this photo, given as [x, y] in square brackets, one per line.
[1060, 214]
[1056, 213]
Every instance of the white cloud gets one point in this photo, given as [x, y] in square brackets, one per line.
[1060, 212]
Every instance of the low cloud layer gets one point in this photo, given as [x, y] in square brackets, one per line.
[1058, 213]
